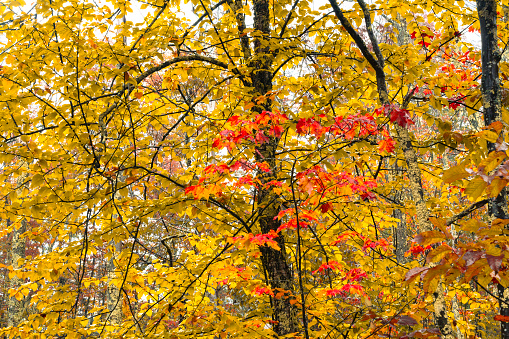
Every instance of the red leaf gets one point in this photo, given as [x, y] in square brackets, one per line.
[387, 145]
[453, 105]
[217, 143]
[326, 207]
[190, 189]
[234, 120]
[401, 117]
[301, 126]
[262, 290]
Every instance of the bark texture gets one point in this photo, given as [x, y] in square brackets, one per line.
[16, 308]
[490, 86]
[402, 245]
[275, 264]
[423, 224]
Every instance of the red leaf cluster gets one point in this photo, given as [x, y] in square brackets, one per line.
[331, 265]
[396, 114]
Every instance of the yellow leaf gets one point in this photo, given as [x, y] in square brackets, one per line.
[455, 173]
[475, 188]
[488, 135]
[496, 187]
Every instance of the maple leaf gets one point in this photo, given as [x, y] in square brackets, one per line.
[456, 102]
[261, 138]
[334, 292]
[401, 117]
[324, 208]
[331, 265]
[263, 166]
[387, 145]
[306, 184]
[179, 117]
[217, 143]
[276, 131]
[262, 291]
[234, 120]
[355, 274]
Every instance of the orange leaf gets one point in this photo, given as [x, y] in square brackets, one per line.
[429, 237]
[497, 126]
[130, 179]
[504, 318]
[438, 253]
[496, 187]
[441, 224]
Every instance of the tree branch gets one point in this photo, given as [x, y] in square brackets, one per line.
[467, 211]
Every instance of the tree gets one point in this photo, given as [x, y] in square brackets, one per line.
[226, 177]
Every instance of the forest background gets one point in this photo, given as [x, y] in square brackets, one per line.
[264, 169]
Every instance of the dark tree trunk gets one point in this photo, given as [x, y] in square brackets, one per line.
[274, 262]
[487, 11]
[490, 85]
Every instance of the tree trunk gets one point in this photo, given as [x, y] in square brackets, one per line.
[413, 171]
[490, 86]
[274, 262]
[402, 245]
[423, 224]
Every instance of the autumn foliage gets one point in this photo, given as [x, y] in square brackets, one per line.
[259, 169]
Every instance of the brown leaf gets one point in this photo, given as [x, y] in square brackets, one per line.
[495, 261]
[471, 257]
[406, 321]
[414, 272]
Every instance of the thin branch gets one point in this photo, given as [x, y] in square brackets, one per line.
[467, 211]
[288, 17]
